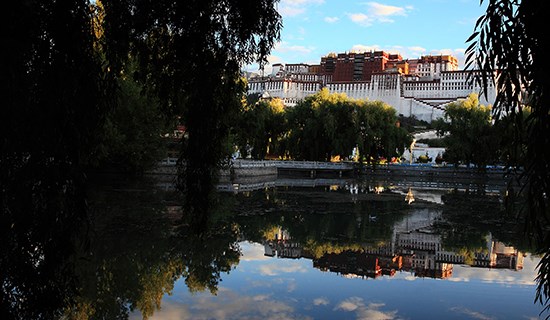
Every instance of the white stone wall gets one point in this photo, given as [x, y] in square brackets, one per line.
[410, 95]
[291, 91]
[297, 68]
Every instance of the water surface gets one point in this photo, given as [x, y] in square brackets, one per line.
[339, 249]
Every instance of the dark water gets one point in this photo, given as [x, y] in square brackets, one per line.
[319, 249]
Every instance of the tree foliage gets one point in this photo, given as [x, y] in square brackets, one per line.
[190, 54]
[56, 89]
[131, 139]
[470, 138]
[260, 128]
[325, 125]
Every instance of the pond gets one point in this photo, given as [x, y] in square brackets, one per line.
[352, 249]
[296, 249]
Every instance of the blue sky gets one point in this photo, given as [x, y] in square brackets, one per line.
[314, 28]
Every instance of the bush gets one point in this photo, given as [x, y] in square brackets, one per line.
[423, 159]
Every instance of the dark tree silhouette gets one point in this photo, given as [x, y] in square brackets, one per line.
[53, 89]
[509, 38]
[191, 54]
[61, 61]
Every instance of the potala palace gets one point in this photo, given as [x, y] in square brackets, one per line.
[414, 87]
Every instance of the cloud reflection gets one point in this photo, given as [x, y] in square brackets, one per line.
[226, 305]
[525, 277]
[472, 314]
[321, 301]
[369, 311]
[252, 251]
[274, 269]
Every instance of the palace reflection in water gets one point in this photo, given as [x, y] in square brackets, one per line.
[413, 251]
[414, 247]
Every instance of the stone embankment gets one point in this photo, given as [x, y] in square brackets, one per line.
[250, 168]
[167, 169]
[241, 168]
[426, 176]
[441, 171]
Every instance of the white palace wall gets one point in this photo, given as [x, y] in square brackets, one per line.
[422, 97]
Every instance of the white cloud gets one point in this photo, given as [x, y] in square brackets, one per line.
[331, 19]
[378, 13]
[290, 11]
[417, 49]
[361, 19]
[301, 2]
[502, 276]
[350, 304]
[298, 3]
[284, 47]
[291, 287]
[372, 313]
[457, 53]
[254, 67]
[292, 8]
[260, 297]
[381, 10]
[365, 48]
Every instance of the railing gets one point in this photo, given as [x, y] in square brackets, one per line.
[314, 165]
[252, 163]
[242, 163]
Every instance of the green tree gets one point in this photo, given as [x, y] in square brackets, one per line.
[260, 127]
[57, 90]
[132, 134]
[325, 125]
[470, 138]
[379, 134]
[317, 127]
[339, 123]
[303, 127]
[134, 257]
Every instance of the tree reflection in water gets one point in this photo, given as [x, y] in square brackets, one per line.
[141, 247]
[122, 253]
[44, 232]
